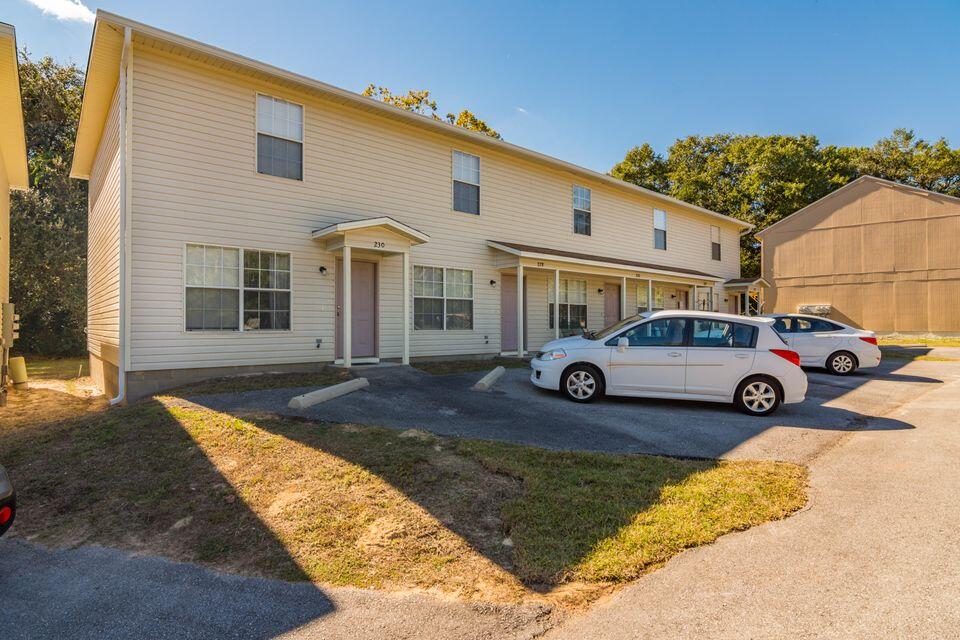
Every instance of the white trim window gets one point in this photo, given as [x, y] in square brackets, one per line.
[279, 138]
[216, 297]
[642, 299]
[660, 229]
[266, 290]
[581, 210]
[466, 182]
[442, 298]
[714, 242]
[573, 305]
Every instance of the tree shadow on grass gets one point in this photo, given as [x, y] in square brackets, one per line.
[132, 478]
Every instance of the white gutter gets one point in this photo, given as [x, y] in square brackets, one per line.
[122, 270]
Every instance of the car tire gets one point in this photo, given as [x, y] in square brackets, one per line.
[758, 396]
[581, 383]
[842, 363]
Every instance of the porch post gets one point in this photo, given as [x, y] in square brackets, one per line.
[649, 295]
[406, 307]
[346, 331]
[556, 304]
[520, 344]
[623, 297]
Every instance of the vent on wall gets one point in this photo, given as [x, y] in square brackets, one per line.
[815, 309]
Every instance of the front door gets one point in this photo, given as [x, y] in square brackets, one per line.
[654, 360]
[683, 300]
[508, 313]
[611, 304]
[363, 302]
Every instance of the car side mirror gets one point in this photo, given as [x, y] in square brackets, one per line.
[622, 344]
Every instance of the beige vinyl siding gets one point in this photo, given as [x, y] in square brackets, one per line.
[194, 180]
[103, 242]
[4, 234]
[883, 257]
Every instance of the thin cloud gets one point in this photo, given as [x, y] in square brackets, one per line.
[66, 10]
[523, 111]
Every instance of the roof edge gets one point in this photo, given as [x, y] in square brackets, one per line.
[415, 118]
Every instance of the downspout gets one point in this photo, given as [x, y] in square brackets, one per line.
[124, 210]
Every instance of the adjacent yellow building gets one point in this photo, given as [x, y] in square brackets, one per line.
[244, 217]
[876, 254]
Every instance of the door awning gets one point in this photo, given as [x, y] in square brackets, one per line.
[586, 259]
[384, 223]
[744, 284]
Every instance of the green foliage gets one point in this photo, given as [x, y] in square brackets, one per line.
[48, 223]
[420, 102]
[761, 179]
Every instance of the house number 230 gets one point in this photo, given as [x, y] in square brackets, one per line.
[379, 245]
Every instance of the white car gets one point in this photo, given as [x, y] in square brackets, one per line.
[838, 347]
[692, 355]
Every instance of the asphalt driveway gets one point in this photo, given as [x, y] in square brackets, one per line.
[516, 411]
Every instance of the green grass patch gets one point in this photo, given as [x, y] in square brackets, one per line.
[444, 367]
[375, 508]
[57, 368]
[927, 342]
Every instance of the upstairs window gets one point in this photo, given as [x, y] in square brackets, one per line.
[581, 210]
[466, 183]
[659, 229]
[573, 305]
[715, 242]
[279, 138]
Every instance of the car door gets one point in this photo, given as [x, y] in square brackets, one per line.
[719, 355]
[654, 359]
[812, 345]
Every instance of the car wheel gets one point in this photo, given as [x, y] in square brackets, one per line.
[758, 396]
[842, 363]
[582, 383]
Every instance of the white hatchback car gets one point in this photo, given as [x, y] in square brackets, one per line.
[838, 347]
[693, 355]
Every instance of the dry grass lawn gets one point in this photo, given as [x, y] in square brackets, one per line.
[443, 367]
[352, 505]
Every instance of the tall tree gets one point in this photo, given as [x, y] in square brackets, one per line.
[48, 223]
[419, 101]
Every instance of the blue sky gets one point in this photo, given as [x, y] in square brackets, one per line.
[585, 81]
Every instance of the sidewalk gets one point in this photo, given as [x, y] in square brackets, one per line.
[875, 554]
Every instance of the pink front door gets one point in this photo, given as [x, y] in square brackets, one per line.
[508, 313]
[363, 302]
[611, 304]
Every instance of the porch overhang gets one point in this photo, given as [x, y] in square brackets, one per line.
[745, 284]
[381, 235]
[547, 258]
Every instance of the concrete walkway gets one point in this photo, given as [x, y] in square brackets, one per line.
[876, 554]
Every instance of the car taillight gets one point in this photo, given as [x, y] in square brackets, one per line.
[5, 513]
[872, 341]
[786, 354]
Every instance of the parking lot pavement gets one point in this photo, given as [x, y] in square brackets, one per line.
[516, 411]
[102, 594]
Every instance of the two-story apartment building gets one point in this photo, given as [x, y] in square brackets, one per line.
[243, 217]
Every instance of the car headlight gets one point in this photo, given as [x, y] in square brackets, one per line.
[553, 354]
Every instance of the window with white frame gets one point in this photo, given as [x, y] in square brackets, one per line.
[466, 183]
[442, 298]
[658, 298]
[217, 294]
[714, 242]
[659, 229]
[643, 297]
[279, 138]
[573, 305]
[581, 210]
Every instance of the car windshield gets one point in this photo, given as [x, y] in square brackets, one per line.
[614, 328]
